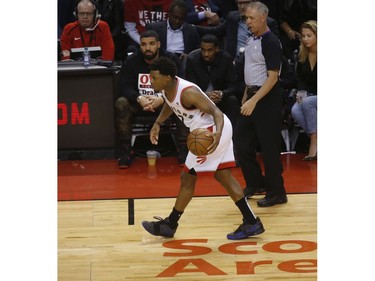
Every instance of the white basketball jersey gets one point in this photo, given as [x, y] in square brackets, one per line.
[192, 118]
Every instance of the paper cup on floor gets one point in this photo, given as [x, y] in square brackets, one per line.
[151, 157]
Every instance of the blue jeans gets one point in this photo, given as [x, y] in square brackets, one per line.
[305, 114]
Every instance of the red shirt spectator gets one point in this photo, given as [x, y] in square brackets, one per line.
[138, 13]
[74, 36]
[87, 31]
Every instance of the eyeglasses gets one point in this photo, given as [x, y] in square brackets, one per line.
[85, 14]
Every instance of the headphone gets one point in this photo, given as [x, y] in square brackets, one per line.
[96, 5]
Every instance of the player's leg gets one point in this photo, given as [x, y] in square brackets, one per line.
[251, 225]
[231, 185]
[187, 186]
[168, 226]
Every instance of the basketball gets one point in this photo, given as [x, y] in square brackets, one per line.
[197, 141]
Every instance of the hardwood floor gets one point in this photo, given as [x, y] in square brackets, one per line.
[96, 243]
[103, 240]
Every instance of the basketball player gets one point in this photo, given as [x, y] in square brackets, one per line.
[196, 110]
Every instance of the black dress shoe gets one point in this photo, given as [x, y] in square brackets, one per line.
[268, 202]
[248, 192]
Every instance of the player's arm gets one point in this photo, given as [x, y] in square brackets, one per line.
[192, 97]
[165, 112]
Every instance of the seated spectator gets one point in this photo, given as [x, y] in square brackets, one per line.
[112, 12]
[234, 30]
[138, 13]
[304, 111]
[203, 12]
[138, 97]
[65, 9]
[273, 8]
[231, 5]
[176, 35]
[292, 14]
[212, 70]
[226, 6]
[87, 31]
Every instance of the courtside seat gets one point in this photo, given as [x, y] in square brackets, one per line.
[143, 124]
[290, 129]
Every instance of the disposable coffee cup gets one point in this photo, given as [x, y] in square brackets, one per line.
[151, 157]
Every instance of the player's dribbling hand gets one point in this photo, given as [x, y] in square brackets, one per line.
[216, 136]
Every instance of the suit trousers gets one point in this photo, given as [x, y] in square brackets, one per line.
[262, 129]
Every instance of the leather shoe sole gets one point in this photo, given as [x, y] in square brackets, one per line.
[268, 202]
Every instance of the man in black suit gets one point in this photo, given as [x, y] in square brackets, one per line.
[175, 34]
[213, 71]
[137, 97]
[234, 29]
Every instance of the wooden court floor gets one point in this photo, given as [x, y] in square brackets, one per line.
[96, 242]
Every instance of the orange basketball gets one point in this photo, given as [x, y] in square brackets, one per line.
[197, 141]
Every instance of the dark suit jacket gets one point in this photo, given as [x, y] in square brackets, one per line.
[133, 66]
[222, 74]
[189, 31]
[192, 16]
[229, 30]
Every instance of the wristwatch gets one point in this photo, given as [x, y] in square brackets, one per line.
[139, 98]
